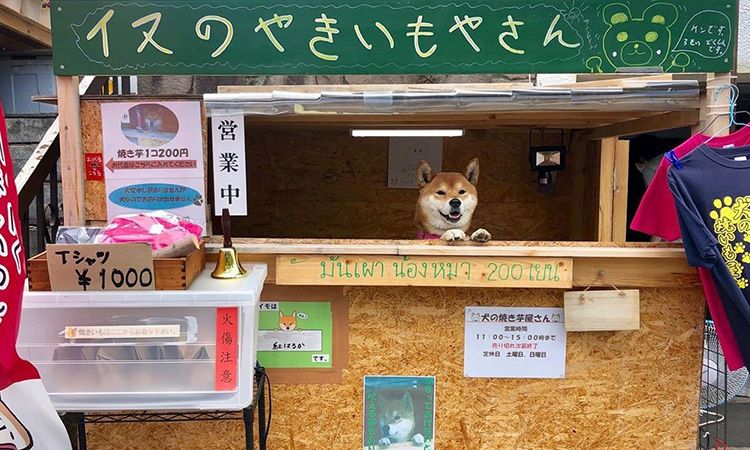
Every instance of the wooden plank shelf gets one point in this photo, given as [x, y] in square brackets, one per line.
[594, 264]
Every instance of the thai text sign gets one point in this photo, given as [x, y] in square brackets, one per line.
[394, 36]
[356, 270]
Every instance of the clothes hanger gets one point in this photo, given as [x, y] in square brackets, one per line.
[733, 96]
[732, 113]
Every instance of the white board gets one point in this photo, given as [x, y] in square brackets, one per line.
[504, 342]
[404, 154]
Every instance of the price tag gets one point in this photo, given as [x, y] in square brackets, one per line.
[100, 267]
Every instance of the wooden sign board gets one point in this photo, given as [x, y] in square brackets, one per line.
[361, 270]
[100, 267]
[610, 310]
[235, 37]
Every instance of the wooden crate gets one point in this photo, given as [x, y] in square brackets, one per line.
[169, 273]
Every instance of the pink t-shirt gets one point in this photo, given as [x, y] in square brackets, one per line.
[657, 216]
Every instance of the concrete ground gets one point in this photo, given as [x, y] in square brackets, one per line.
[738, 424]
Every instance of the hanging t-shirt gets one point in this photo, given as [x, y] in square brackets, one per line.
[712, 196]
[657, 216]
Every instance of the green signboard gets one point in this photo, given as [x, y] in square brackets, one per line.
[96, 37]
[295, 335]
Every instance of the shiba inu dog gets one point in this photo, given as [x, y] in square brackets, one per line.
[446, 203]
[396, 420]
[287, 323]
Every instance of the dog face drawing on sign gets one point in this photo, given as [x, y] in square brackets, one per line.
[13, 434]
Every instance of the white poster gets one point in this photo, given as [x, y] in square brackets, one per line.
[404, 154]
[504, 342]
[153, 158]
[230, 177]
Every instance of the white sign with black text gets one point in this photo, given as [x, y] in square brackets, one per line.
[404, 155]
[230, 176]
[502, 342]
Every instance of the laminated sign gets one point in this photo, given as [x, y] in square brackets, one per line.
[514, 342]
[153, 158]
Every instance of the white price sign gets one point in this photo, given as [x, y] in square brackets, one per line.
[514, 342]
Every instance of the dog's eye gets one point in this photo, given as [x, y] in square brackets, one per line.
[461, 192]
[440, 192]
[396, 417]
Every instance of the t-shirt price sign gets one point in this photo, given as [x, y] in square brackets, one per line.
[100, 267]
[514, 342]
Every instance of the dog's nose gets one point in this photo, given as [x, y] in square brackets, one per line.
[455, 203]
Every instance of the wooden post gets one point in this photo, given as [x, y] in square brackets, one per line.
[613, 190]
[620, 197]
[714, 105]
[71, 151]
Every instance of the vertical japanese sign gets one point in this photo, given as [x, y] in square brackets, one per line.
[153, 158]
[226, 348]
[230, 178]
[295, 335]
[514, 342]
[399, 412]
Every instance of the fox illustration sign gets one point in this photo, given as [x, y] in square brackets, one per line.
[105, 37]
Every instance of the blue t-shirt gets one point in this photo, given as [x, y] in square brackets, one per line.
[712, 195]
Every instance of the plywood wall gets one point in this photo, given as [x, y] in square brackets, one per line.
[622, 390]
[323, 183]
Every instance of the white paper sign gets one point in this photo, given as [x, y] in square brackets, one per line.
[230, 176]
[404, 154]
[290, 341]
[153, 158]
[514, 342]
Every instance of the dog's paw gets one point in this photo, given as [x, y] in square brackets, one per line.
[384, 441]
[418, 439]
[481, 235]
[453, 235]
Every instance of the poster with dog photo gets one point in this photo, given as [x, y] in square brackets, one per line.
[153, 158]
[399, 413]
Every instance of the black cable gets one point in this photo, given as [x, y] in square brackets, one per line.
[263, 379]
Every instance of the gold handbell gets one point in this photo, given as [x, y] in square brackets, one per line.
[228, 266]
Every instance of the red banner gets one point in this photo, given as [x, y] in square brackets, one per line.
[226, 348]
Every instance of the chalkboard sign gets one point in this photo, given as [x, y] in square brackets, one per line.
[391, 36]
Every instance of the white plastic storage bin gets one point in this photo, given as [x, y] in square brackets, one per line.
[146, 350]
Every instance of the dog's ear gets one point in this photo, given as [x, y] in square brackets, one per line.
[472, 171]
[294, 314]
[281, 314]
[408, 402]
[424, 174]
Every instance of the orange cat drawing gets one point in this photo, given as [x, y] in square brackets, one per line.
[287, 323]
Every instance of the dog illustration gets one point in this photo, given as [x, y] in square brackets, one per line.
[396, 420]
[446, 203]
[13, 434]
[287, 323]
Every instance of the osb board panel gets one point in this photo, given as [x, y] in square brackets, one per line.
[322, 183]
[623, 390]
[91, 139]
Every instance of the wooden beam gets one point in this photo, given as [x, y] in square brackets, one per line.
[577, 170]
[620, 198]
[619, 271]
[714, 105]
[606, 188]
[25, 26]
[663, 121]
[71, 151]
